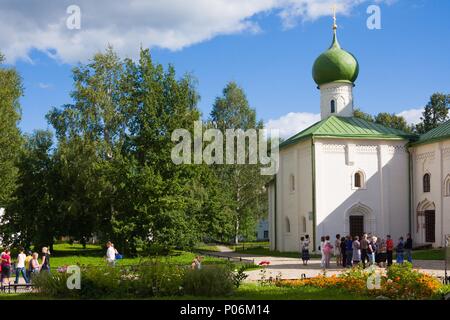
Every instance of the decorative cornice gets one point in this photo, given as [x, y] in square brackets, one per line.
[426, 155]
[446, 153]
[333, 148]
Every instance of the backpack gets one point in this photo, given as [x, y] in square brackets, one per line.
[327, 248]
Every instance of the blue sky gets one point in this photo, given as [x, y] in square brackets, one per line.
[401, 65]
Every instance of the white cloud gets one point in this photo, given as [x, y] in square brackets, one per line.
[292, 123]
[412, 116]
[44, 85]
[171, 24]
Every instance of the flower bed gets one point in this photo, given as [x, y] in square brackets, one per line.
[398, 282]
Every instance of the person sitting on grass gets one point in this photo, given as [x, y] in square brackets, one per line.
[197, 263]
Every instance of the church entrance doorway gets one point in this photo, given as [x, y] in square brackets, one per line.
[430, 226]
[356, 226]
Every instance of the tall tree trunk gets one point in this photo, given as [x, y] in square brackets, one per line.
[236, 237]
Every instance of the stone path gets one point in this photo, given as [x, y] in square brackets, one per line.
[293, 268]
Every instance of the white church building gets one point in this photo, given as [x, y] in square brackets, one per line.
[344, 175]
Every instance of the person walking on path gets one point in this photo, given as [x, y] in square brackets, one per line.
[45, 265]
[305, 250]
[372, 250]
[6, 265]
[364, 250]
[343, 253]
[20, 267]
[389, 250]
[322, 258]
[356, 251]
[349, 250]
[381, 260]
[400, 250]
[34, 264]
[408, 248]
[110, 254]
[28, 259]
[337, 250]
[328, 249]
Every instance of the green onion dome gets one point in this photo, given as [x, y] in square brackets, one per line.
[335, 65]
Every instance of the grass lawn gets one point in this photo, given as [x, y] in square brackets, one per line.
[266, 252]
[207, 247]
[251, 291]
[430, 254]
[93, 255]
[245, 292]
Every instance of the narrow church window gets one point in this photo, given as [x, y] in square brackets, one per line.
[288, 225]
[358, 180]
[304, 224]
[333, 106]
[426, 183]
[292, 183]
[447, 186]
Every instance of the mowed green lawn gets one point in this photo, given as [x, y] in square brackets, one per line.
[94, 255]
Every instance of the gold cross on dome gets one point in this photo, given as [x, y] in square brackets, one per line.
[334, 17]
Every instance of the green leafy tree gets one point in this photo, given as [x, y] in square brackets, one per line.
[436, 112]
[33, 218]
[358, 113]
[391, 120]
[10, 138]
[244, 182]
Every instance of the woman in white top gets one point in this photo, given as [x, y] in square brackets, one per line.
[322, 245]
[337, 250]
[20, 267]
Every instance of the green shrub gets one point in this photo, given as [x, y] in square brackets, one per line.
[142, 281]
[209, 281]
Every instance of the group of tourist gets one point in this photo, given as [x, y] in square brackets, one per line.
[367, 250]
[25, 264]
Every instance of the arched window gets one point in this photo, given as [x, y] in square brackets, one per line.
[288, 225]
[292, 183]
[426, 182]
[333, 106]
[447, 186]
[358, 180]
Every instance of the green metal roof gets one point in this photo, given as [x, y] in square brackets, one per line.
[437, 134]
[350, 128]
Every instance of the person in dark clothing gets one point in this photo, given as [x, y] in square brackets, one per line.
[45, 266]
[343, 253]
[389, 250]
[408, 248]
[349, 251]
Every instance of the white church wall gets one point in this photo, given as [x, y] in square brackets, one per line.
[434, 159]
[336, 163]
[294, 192]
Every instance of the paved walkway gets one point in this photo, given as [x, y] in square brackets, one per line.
[293, 268]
